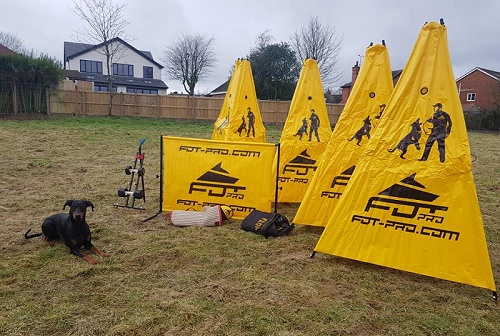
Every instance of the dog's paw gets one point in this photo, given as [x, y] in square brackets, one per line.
[99, 252]
[90, 260]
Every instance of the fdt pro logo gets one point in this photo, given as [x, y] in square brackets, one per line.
[407, 205]
[340, 180]
[218, 183]
[300, 165]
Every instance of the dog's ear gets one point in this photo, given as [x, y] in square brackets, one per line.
[68, 203]
[89, 204]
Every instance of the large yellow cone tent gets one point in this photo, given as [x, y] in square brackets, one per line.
[305, 135]
[419, 213]
[360, 116]
[239, 118]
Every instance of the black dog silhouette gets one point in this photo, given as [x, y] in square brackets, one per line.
[411, 138]
[365, 130]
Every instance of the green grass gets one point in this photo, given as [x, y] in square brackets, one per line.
[164, 280]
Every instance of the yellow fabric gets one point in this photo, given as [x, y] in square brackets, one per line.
[239, 118]
[416, 216]
[305, 135]
[372, 89]
[199, 172]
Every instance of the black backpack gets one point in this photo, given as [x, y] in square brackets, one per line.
[267, 224]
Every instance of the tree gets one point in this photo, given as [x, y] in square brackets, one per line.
[275, 69]
[189, 60]
[25, 81]
[106, 22]
[494, 91]
[264, 39]
[13, 42]
[322, 43]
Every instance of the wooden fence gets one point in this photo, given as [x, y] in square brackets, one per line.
[165, 106]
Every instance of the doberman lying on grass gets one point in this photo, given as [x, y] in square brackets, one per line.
[70, 228]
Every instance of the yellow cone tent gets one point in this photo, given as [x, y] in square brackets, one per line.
[305, 135]
[239, 118]
[361, 114]
[420, 212]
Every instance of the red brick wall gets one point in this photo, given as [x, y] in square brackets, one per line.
[482, 85]
[345, 94]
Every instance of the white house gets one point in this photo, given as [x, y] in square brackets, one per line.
[132, 70]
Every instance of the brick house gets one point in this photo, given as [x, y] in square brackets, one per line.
[347, 88]
[479, 89]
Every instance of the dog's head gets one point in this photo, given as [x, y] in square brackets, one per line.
[78, 208]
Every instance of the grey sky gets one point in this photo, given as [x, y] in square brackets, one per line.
[473, 27]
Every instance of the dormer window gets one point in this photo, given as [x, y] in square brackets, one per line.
[471, 97]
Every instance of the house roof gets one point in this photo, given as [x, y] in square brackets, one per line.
[74, 49]
[470, 107]
[221, 89]
[6, 51]
[395, 73]
[332, 98]
[126, 81]
[491, 73]
[74, 75]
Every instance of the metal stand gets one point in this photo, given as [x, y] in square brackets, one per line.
[138, 173]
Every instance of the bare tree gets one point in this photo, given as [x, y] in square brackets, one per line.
[106, 22]
[264, 39]
[495, 95]
[320, 42]
[189, 60]
[13, 42]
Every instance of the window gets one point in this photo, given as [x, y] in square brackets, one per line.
[90, 66]
[143, 91]
[123, 69]
[104, 88]
[147, 72]
[471, 97]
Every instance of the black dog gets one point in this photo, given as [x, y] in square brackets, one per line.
[364, 130]
[70, 228]
[411, 138]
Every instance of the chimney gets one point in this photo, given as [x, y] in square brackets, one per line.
[355, 72]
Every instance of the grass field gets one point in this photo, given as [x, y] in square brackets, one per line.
[164, 280]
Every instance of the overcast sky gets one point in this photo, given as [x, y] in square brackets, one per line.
[473, 28]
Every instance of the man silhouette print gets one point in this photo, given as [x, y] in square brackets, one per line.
[251, 122]
[379, 115]
[441, 128]
[314, 125]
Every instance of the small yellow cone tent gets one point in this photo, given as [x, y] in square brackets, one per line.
[239, 118]
[361, 114]
[420, 212]
[305, 135]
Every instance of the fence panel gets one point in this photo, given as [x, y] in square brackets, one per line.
[22, 98]
[165, 106]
